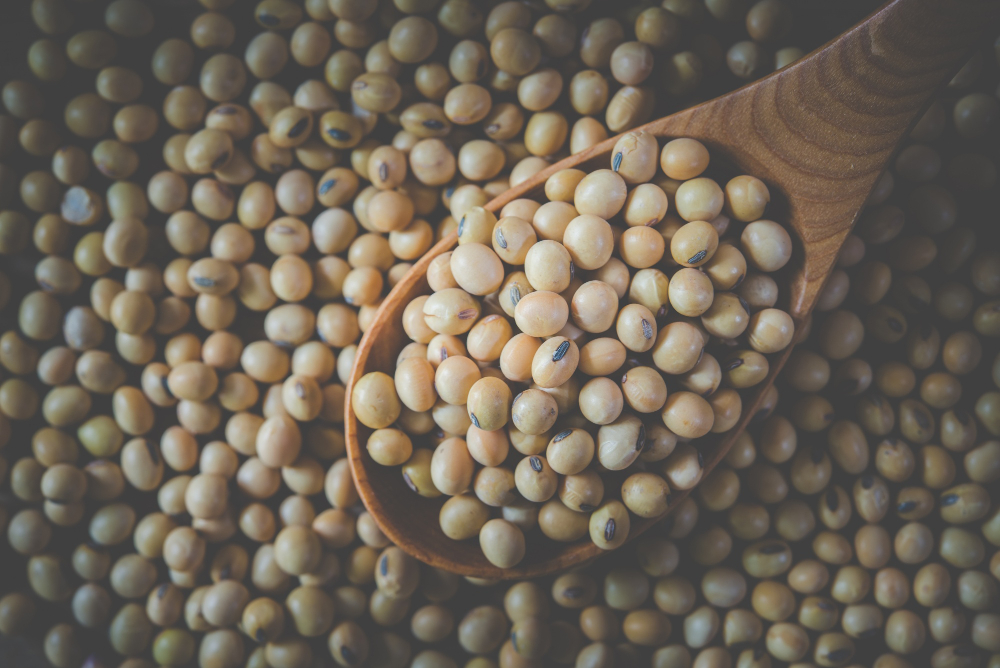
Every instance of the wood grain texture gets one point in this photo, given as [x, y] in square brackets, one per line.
[819, 133]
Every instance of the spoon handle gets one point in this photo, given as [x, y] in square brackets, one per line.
[824, 129]
[865, 95]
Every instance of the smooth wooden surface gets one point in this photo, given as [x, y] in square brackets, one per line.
[819, 133]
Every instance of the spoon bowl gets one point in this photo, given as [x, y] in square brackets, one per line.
[819, 133]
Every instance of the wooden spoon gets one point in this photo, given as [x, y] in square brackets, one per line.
[819, 132]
